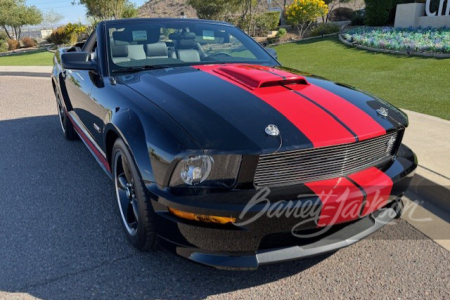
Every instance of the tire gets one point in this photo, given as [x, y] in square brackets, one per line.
[66, 125]
[134, 207]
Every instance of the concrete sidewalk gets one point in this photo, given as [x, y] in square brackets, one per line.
[429, 137]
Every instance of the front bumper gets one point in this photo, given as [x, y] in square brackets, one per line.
[268, 239]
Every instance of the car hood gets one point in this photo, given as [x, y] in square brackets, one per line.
[227, 108]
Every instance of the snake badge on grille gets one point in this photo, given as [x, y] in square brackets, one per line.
[272, 130]
[390, 144]
[382, 111]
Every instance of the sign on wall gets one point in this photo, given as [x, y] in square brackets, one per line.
[438, 13]
[421, 15]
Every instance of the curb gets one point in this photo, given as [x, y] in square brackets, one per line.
[301, 40]
[437, 194]
[25, 74]
[386, 51]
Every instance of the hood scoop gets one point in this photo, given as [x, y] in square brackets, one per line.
[255, 77]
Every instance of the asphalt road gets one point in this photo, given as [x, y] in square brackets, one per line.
[61, 237]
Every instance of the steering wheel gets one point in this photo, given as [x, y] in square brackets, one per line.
[219, 54]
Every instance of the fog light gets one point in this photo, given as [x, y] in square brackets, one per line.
[202, 218]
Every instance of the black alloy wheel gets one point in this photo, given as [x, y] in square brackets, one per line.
[135, 209]
[66, 125]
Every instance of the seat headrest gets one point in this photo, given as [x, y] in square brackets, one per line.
[187, 44]
[120, 36]
[119, 50]
[153, 34]
[157, 49]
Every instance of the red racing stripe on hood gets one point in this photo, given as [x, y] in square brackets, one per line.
[363, 125]
[377, 186]
[341, 200]
[321, 128]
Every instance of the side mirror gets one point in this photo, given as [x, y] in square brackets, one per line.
[77, 61]
[272, 52]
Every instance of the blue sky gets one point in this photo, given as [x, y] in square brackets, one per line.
[72, 13]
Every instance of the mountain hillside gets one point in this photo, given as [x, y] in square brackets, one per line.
[174, 8]
[166, 9]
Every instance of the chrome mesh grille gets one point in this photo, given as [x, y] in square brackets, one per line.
[299, 166]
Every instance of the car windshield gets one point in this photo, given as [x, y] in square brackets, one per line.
[171, 43]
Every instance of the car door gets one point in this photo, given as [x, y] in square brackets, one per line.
[79, 84]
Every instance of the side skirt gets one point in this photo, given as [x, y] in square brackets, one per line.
[95, 150]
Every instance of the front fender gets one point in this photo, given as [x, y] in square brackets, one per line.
[126, 125]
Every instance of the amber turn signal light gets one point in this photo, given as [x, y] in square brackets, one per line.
[202, 218]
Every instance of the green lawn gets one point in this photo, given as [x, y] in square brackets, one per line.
[415, 83]
[41, 58]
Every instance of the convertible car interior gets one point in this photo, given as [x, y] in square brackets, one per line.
[171, 44]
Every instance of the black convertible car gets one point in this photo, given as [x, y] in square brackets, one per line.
[222, 154]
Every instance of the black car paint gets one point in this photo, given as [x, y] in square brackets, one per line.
[165, 115]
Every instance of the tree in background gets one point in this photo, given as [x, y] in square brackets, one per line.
[15, 14]
[106, 9]
[240, 12]
[129, 10]
[332, 4]
[214, 9]
[51, 18]
[303, 13]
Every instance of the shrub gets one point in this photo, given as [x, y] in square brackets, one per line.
[59, 36]
[273, 19]
[3, 36]
[377, 12]
[13, 44]
[267, 21]
[3, 43]
[68, 34]
[74, 31]
[3, 46]
[359, 17]
[341, 14]
[29, 42]
[325, 28]
[302, 13]
[281, 32]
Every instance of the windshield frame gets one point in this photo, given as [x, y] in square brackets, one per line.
[243, 38]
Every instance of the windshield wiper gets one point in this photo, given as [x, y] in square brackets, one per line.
[140, 68]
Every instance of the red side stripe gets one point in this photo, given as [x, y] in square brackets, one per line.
[101, 158]
[377, 185]
[363, 125]
[341, 200]
[316, 124]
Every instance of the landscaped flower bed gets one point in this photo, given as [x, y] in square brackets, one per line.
[401, 39]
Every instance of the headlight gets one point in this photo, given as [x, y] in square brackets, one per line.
[204, 170]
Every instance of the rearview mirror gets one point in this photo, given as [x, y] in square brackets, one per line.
[272, 52]
[77, 61]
